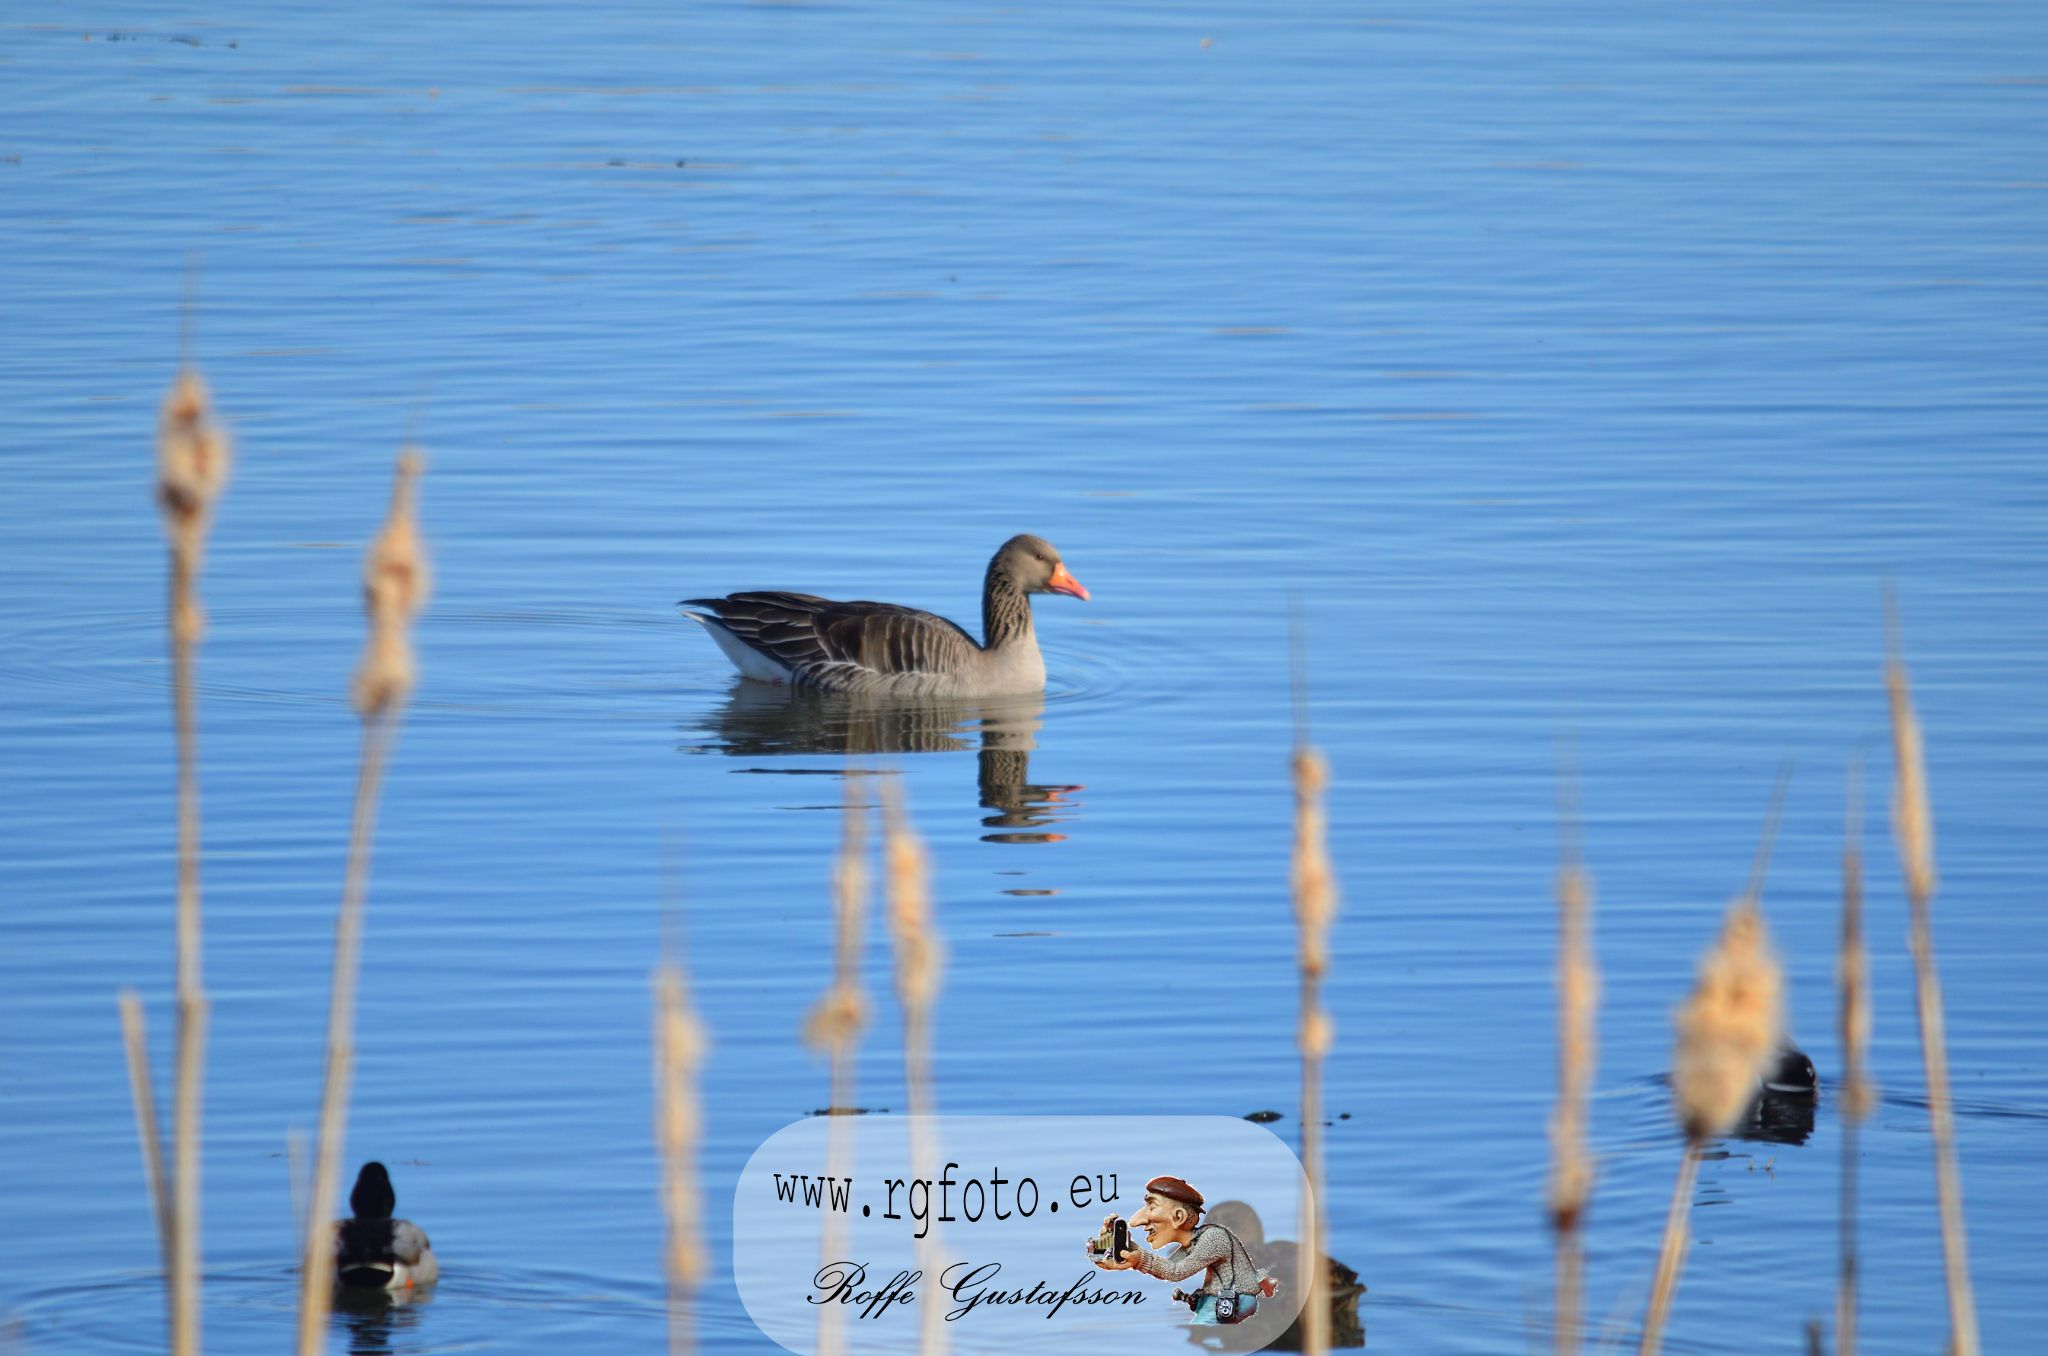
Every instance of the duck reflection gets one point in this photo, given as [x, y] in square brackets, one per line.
[1278, 1327]
[378, 1320]
[761, 720]
[1778, 1118]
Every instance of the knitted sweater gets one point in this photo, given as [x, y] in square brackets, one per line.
[1213, 1250]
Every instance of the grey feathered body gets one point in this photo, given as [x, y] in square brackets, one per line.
[382, 1254]
[887, 650]
[866, 647]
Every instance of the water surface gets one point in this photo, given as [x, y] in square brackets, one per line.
[1584, 373]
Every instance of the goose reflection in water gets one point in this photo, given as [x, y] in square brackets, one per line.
[758, 721]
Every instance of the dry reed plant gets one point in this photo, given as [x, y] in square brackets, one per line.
[395, 583]
[1728, 1030]
[920, 956]
[395, 586]
[1852, 972]
[193, 459]
[835, 1024]
[135, 1037]
[1571, 1164]
[1913, 829]
[680, 1045]
[1314, 886]
[836, 1021]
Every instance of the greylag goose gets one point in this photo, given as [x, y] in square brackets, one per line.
[807, 641]
[373, 1251]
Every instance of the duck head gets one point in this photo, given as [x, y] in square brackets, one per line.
[373, 1197]
[1791, 1073]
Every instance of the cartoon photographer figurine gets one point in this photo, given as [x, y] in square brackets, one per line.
[1232, 1283]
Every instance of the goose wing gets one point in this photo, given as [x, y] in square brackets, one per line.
[834, 645]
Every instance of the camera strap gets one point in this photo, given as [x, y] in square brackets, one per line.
[1236, 1247]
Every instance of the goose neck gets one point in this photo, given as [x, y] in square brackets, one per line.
[1005, 610]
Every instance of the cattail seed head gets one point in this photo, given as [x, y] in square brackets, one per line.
[396, 580]
[1571, 1187]
[1858, 1096]
[836, 1018]
[1314, 882]
[680, 1044]
[1729, 1027]
[918, 950]
[193, 456]
[395, 575]
[1912, 820]
[1311, 772]
[1578, 996]
[1318, 1034]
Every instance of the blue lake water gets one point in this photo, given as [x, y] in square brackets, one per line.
[1584, 372]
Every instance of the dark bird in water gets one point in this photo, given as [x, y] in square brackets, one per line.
[373, 1251]
[808, 641]
[1782, 1112]
[1791, 1073]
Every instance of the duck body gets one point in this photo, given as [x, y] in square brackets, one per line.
[389, 1254]
[803, 640]
[1787, 1095]
[372, 1250]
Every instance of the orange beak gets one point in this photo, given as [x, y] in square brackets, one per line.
[1062, 582]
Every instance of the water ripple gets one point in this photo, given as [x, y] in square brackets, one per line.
[255, 1308]
[612, 663]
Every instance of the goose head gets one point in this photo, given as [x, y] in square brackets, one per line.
[1035, 564]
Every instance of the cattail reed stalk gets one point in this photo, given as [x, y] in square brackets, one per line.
[680, 1044]
[1571, 1167]
[395, 584]
[193, 1010]
[1852, 970]
[135, 1036]
[835, 1025]
[193, 457]
[1314, 887]
[1913, 829]
[836, 1021]
[1671, 1253]
[1728, 1029]
[920, 955]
